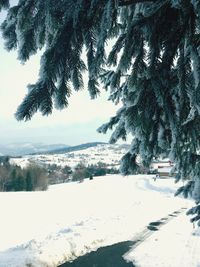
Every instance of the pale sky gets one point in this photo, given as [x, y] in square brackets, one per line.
[74, 125]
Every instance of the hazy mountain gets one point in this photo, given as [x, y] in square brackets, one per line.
[20, 149]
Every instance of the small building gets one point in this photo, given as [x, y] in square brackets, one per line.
[165, 171]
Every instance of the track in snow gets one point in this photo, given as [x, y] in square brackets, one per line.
[154, 226]
[113, 256]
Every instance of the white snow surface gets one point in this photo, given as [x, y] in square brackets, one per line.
[45, 229]
[177, 244]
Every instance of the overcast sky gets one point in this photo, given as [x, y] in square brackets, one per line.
[74, 125]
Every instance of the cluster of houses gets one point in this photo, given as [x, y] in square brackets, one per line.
[163, 168]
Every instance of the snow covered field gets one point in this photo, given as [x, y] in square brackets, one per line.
[41, 229]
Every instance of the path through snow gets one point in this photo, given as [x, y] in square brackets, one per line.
[115, 255]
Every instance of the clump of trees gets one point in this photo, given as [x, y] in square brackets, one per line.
[80, 172]
[100, 169]
[58, 174]
[14, 178]
[36, 177]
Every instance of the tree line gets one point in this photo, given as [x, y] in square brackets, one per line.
[35, 177]
[15, 178]
[58, 174]
[100, 169]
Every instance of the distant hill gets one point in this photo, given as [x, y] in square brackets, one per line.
[87, 154]
[21, 149]
[75, 148]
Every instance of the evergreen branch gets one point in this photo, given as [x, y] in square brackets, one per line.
[155, 75]
[4, 4]
[131, 2]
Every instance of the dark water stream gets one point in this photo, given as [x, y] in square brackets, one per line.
[110, 256]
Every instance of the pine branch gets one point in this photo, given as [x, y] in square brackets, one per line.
[4, 4]
[131, 2]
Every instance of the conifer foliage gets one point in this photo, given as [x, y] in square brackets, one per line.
[153, 68]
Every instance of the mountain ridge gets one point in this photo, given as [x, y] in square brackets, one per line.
[76, 148]
[22, 149]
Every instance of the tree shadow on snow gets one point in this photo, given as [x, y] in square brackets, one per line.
[110, 256]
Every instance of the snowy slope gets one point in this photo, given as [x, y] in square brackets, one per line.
[69, 220]
[109, 154]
